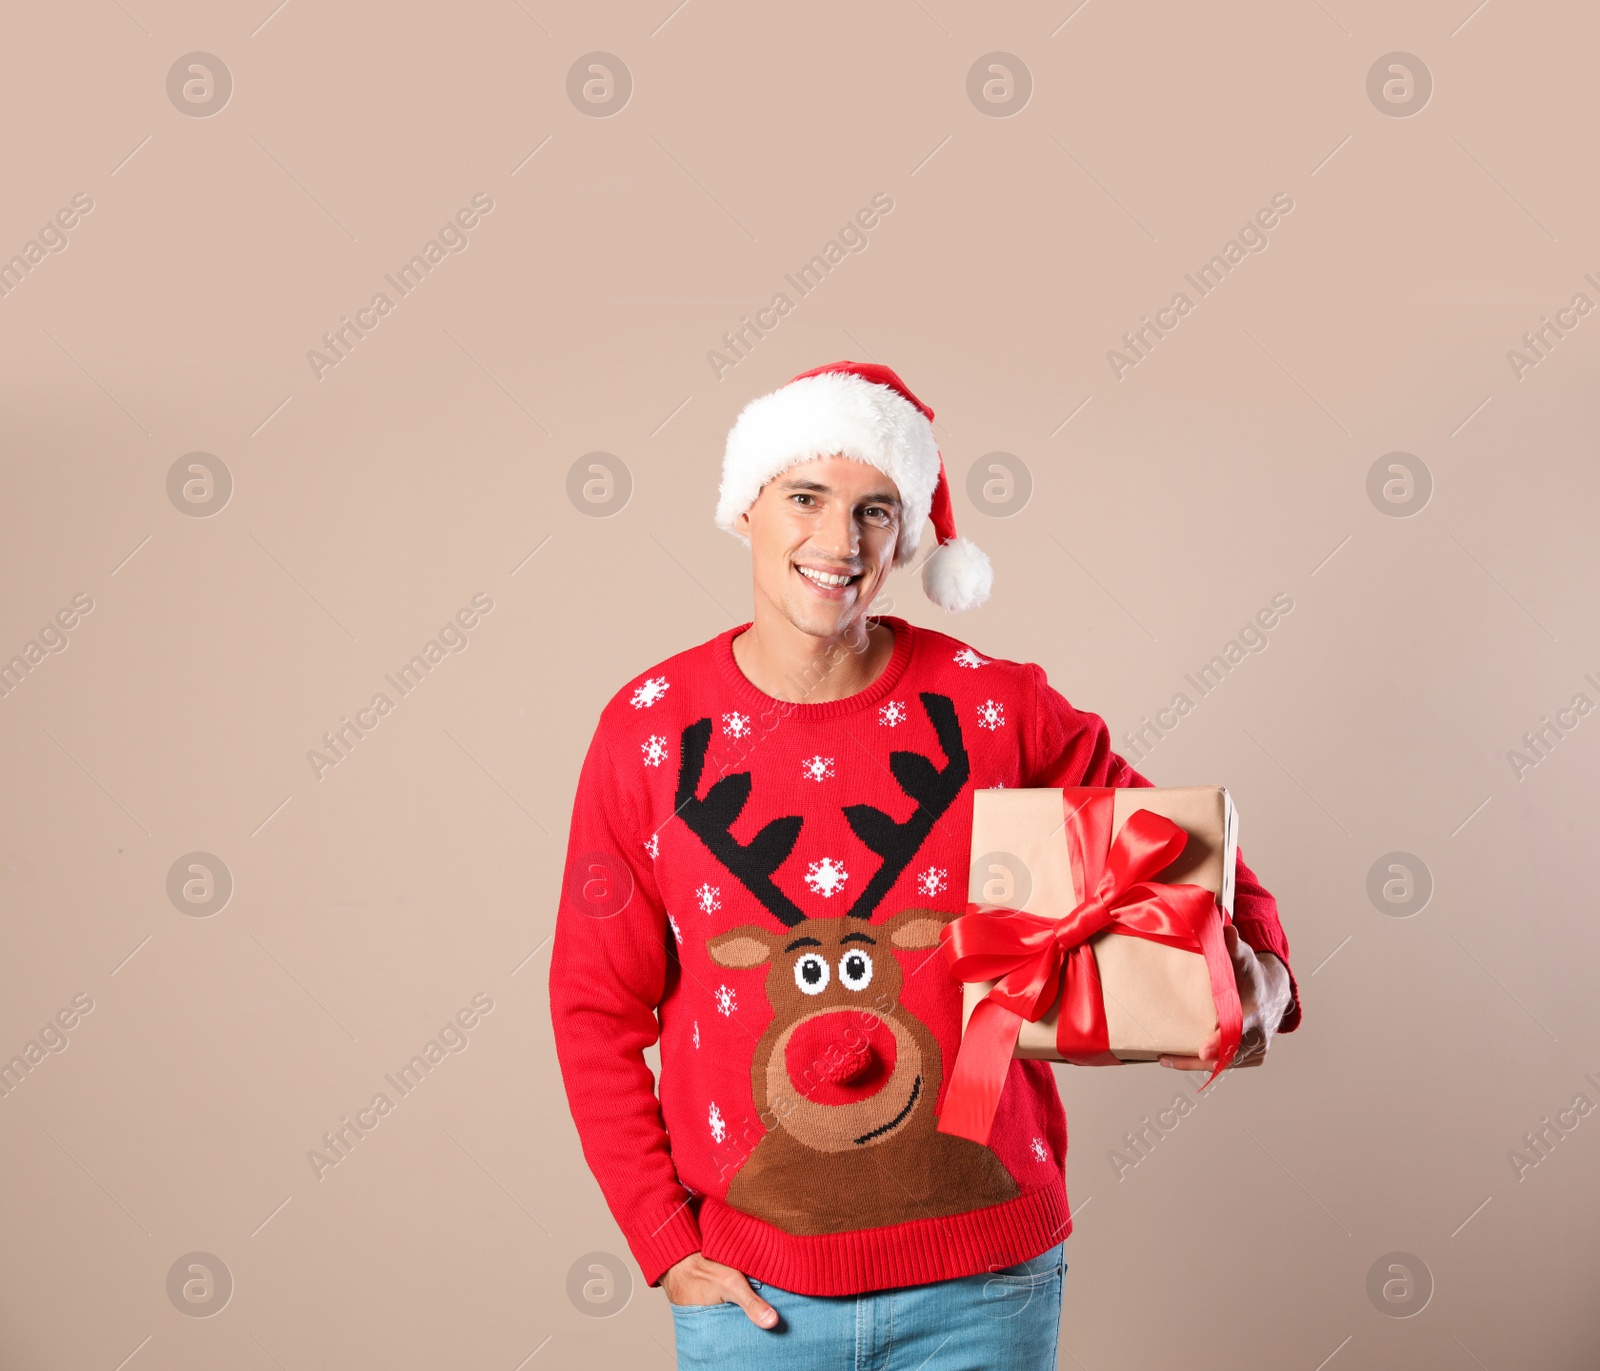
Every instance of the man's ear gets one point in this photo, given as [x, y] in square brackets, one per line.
[748, 945]
[914, 928]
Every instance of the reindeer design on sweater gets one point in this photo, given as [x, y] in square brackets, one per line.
[847, 1073]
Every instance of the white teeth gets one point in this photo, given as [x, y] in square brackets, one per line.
[822, 578]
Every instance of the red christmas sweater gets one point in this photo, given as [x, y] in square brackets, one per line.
[761, 884]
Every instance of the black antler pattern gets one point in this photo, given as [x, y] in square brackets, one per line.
[712, 820]
[933, 789]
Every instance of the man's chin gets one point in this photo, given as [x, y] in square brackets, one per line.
[821, 620]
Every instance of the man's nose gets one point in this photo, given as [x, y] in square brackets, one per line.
[840, 535]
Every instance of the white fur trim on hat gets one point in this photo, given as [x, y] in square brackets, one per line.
[833, 414]
[958, 575]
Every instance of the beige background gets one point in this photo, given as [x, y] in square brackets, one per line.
[431, 464]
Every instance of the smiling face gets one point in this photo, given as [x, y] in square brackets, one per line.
[823, 536]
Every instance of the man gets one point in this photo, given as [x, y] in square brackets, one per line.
[769, 832]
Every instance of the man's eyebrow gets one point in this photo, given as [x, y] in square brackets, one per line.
[879, 497]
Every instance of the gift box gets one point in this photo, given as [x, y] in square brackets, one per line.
[1093, 935]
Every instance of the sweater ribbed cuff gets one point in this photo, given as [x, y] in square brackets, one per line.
[669, 1243]
[1269, 937]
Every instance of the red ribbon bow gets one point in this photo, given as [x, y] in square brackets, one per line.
[1036, 959]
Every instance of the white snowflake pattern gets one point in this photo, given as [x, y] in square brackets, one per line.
[826, 877]
[676, 931]
[1040, 1152]
[736, 725]
[817, 768]
[719, 1128]
[655, 749]
[727, 1001]
[991, 715]
[651, 691]
[652, 845]
[967, 657]
[697, 1032]
[892, 713]
[932, 881]
[710, 897]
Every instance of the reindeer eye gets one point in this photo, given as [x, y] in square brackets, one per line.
[811, 973]
[855, 969]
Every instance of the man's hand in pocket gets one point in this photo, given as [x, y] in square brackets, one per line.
[698, 1280]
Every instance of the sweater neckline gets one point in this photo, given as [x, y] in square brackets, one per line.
[757, 699]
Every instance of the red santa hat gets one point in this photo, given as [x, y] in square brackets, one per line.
[862, 411]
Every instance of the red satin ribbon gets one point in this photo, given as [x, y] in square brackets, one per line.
[1035, 960]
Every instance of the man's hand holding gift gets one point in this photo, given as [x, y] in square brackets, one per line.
[1123, 948]
[1264, 997]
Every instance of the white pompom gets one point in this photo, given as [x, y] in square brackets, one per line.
[958, 575]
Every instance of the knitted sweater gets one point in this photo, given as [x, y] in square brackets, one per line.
[761, 885]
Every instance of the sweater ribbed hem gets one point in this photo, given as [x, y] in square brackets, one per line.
[670, 1243]
[923, 1250]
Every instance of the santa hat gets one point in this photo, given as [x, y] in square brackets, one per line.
[863, 411]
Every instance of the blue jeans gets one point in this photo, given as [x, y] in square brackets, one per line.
[1006, 1320]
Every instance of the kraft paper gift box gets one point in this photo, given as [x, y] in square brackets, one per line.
[1158, 999]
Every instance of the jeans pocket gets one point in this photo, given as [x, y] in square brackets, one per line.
[699, 1308]
[721, 1304]
[1022, 1302]
[1000, 1282]
[1035, 1270]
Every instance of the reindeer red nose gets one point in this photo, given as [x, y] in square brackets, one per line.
[840, 1056]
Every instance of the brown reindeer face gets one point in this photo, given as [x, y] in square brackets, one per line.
[841, 1066]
